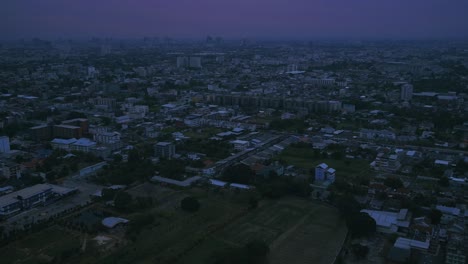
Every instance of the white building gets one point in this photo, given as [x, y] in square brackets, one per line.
[60, 143]
[389, 222]
[406, 92]
[324, 173]
[83, 144]
[240, 144]
[4, 144]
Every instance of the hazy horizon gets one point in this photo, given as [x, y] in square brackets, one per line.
[262, 19]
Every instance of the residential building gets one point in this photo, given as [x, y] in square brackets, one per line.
[182, 62]
[324, 173]
[4, 144]
[107, 137]
[60, 143]
[41, 132]
[67, 131]
[164, 150]
[240, 144]
[390, 222]
[406, 92]
[195, 62]
[83, 144]
[11, 169]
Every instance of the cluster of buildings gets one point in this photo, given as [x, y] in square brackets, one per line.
[373, 102]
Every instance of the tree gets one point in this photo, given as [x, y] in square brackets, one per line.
[117, 158]
[257, 251]
[253, 202]
[444, 181]
[190, 204]
[108, 194]
[239, 173]
[361, 224]
[347, 205]
[435, 216]
[360, 251]
[393, 182]
[123, 200]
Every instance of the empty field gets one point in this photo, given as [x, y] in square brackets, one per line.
[297, 231]
[48, 244]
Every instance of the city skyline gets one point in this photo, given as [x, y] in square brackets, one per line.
[278, 19]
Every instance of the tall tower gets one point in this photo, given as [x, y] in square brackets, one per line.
[406, 92]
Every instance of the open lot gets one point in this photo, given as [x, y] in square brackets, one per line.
[297, 231]
[50, 243]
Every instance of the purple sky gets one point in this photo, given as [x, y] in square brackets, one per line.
[235, 18]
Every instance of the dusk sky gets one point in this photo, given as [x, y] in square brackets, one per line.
[296, 19]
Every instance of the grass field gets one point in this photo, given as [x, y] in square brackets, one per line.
[51, 242]
[289, 225]
[297, 231]
[177, 232]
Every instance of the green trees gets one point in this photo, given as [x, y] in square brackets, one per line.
[359, 224]
[190, 204]
[435, 216]
[393, 182]
[257, 251]
[254, 252]
[123, 201]
[239, 173]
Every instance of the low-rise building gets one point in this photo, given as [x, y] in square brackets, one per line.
[24, 199]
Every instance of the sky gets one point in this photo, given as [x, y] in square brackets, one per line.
[269, 19]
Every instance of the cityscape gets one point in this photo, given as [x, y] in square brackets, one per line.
[259, 143]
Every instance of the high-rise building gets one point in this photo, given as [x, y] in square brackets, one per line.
[195, 62]
[164, 150]
[406, 92]
[182, 62]
[4, 144]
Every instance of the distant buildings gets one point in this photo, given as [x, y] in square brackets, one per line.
[74, 128]
[182, 62]
[406, 92]
[72, 144]
[4, 144]
[193, 62]
[164, 150]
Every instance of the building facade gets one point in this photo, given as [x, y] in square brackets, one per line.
[164, 150]
[4, 144]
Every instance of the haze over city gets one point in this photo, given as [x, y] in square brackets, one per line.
[234, 132]
[267, 19]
